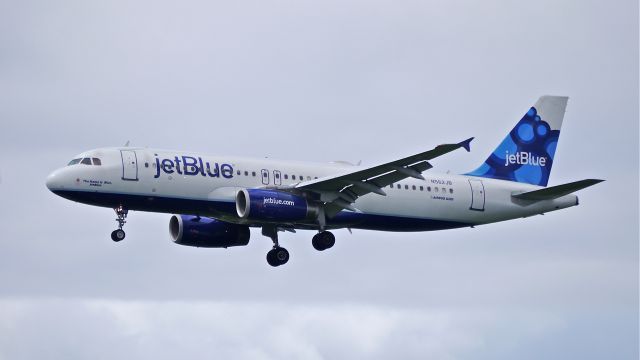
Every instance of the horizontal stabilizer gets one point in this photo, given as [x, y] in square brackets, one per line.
[554, 192]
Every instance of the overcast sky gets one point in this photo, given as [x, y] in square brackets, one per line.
[317, 80]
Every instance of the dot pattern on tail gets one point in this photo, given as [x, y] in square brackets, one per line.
[525, 155]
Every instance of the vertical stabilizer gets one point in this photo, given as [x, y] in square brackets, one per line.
[526, 154]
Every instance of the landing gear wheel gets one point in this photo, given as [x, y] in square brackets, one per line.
[323, 240]
[117, 235]
[121, 212]
[271, 258]
[277, 256]
[282, 255]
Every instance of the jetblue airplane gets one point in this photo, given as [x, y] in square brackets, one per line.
[218, 198]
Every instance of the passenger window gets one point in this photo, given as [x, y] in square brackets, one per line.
[253, 173]
[391, 186]
[315, 177]
[308, 177]
[398, 186]
[246, 173]
[406, 187]
[96, 161]
[421, 188]
[277, 175]
[73, 162]
[286, 176]
[238, 173]
[86, 161]
[413, 187]
[450, 191]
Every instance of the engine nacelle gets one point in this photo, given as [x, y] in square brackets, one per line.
[206, 232]
[273, 205]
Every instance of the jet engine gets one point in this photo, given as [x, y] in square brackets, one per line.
[273, 205]
[206, 232]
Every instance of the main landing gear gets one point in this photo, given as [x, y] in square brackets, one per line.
[278, 255]
[323, 240]
[118, 234]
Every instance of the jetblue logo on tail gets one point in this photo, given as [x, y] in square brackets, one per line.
[526, 154]
[524, 158]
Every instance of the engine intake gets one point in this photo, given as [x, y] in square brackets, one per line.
[273, 205]
[206, 232]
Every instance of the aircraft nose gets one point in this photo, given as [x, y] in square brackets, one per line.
[53, 182]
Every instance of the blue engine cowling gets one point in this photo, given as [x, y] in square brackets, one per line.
[273, 205]
[206, 232]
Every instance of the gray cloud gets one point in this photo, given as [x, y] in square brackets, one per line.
[248, 330]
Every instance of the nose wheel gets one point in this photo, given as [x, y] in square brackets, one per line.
[119, 234]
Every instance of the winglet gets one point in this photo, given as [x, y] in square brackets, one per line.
[466, 144]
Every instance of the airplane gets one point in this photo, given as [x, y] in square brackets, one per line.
[217, 199]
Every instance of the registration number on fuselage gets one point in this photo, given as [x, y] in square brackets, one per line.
[442, 182]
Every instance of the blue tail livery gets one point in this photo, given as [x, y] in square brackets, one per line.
[526, 154]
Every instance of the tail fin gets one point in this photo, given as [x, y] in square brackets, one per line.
[526, 154]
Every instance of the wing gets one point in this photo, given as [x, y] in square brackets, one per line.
[340, 191]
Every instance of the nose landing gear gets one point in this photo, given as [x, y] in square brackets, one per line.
[118, 234]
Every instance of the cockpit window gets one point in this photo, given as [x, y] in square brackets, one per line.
[73, 162]
[86, 161]
[96, 161]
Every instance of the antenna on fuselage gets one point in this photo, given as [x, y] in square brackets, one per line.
[127, 143]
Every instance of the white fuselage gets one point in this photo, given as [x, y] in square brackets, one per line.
[207, 185]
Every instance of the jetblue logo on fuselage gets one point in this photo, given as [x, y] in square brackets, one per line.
[525, 158]
[192, 166]
[274, 201]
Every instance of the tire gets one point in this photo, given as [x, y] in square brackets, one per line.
[316, 242]
[328, 239]
[118, 235]
[271, 258]
[323, 241]
[281, 255]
